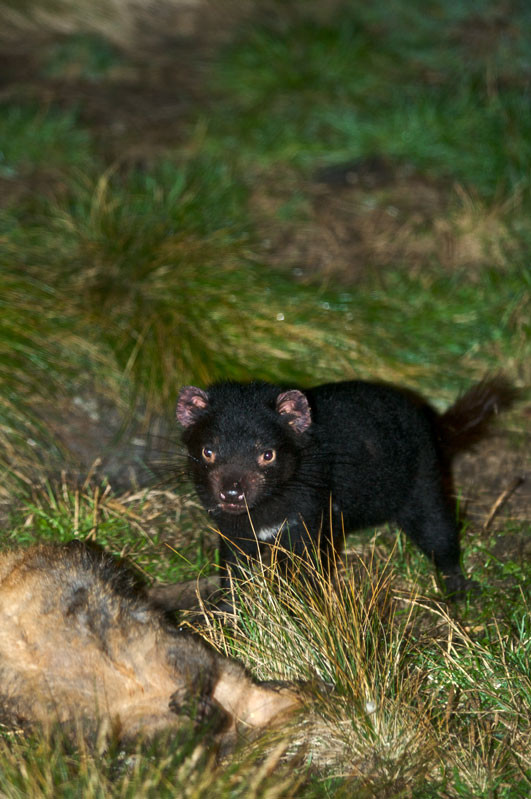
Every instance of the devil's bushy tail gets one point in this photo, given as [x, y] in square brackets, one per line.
[468, 420]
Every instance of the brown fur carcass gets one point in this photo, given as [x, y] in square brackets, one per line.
[80, 644]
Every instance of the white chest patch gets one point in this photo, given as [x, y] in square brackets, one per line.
[268, 533]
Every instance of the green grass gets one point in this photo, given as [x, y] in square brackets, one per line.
[491, 137]
[157, 271]
[137, 527]
[34, 137]
[162, 769]
[306, 92]
[131, 279]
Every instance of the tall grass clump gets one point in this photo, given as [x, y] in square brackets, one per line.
[35, 360]
[401, 698]
[161, 267]
[151, 268]
[348, 643]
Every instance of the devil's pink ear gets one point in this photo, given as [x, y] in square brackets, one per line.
[294, 405]
[190, 405]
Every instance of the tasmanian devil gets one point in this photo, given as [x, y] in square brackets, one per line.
[81, 647]
[300, 467]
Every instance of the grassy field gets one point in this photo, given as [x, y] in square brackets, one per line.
[293, 193]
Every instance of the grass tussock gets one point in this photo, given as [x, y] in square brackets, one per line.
[402, 699]
[45, 350]
[348, 641]
[156, 275]
[38, 354]
[156, 272]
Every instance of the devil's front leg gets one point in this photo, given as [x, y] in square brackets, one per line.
[305, 545]
[308, 547]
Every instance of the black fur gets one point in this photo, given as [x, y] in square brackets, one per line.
[336, 457]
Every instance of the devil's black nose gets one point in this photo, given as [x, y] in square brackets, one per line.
[232, 494]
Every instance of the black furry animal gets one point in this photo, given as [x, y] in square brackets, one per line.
[299, 467]
[81, 647]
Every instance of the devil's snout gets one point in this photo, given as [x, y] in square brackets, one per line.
[232, 493]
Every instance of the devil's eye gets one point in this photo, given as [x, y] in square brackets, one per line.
[266, 457]
[208, 454]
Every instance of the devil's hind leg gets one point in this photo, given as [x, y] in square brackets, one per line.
[428, 519]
